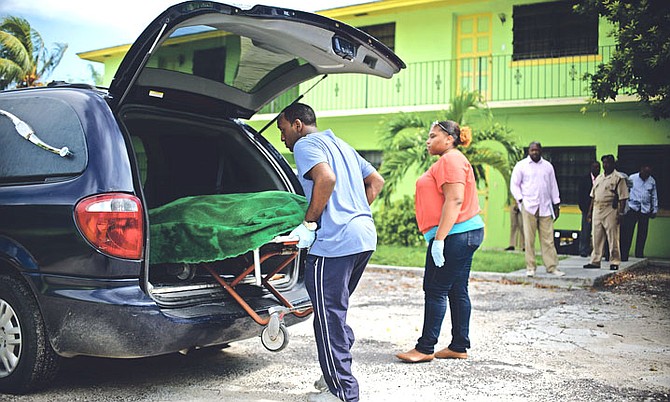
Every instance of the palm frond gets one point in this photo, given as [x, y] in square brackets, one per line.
[502, 135]
[390, 127]
[24, 46]
[482, 156]
[9, 70]
[52, 60]
[461, 105]
[14, 49]
[403, 140]
[20, 29]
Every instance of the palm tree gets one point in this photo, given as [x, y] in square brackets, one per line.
[96, 77]
[24, 60]
[404, 139]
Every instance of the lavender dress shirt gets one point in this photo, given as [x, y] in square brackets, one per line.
[535, 184]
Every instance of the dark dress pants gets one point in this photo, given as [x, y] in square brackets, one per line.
[585, 236]
[631, 219]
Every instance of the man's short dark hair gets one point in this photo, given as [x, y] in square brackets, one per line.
[608, 156]
[535, 143]
[300, 111]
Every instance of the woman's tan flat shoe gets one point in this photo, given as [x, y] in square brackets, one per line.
[447, 353]
[414, 356]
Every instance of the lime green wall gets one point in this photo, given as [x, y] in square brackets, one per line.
[111, 65]
[551, 125]
[360, 130]
[428, 34]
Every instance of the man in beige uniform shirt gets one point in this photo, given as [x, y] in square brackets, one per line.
[605, 217]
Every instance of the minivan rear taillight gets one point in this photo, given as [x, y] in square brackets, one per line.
[113, 223]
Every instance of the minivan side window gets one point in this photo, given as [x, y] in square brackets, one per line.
[56, 124]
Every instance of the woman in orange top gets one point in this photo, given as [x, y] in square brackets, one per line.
[447, 211]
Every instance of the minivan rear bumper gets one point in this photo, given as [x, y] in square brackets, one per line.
[115, 318]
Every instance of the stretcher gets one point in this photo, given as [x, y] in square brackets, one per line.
[274, 335]
[209, 231]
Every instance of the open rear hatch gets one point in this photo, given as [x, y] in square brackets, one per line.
[197, 67]
[222, 60]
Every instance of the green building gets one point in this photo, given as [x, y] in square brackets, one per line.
[527, 58]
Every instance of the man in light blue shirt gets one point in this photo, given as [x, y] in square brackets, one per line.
[642, 206]
[340, 186]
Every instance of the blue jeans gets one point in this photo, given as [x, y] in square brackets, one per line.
[449, 282]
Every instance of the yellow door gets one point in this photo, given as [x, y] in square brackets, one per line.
[473, 53]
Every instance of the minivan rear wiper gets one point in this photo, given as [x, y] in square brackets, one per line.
[28, 133]
[295, 101]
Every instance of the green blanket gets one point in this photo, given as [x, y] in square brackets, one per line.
[214, 227]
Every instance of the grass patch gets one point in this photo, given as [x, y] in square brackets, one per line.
[483, 260]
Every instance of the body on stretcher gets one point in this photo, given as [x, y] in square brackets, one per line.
[274, 335]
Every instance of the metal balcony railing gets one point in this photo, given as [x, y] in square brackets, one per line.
[497, 78]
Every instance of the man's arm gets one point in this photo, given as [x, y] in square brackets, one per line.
[654, 201]
[623, 193]
[373, 185]
[554, 194]
[553, 186]
[324, 182]
[515, 183]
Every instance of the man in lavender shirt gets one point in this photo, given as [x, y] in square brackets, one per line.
[534, 187]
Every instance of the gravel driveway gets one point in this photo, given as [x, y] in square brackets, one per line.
[529, 344]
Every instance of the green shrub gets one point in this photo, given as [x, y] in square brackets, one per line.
[396, 224]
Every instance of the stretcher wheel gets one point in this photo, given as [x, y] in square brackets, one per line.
[277, 341]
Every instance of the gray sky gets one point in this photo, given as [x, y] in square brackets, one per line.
[96, 24]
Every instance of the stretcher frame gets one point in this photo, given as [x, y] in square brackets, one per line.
[274, 335]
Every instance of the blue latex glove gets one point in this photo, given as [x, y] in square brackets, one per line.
[306, 237]
[437, 251]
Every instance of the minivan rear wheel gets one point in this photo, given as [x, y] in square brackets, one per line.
[27, 360]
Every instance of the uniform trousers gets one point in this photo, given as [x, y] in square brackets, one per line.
[605, 227]
[330, 281]
[544, 226]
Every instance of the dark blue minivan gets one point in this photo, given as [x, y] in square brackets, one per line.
[81, 168]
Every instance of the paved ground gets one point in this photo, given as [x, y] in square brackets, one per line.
[543, 339]
[575, 274]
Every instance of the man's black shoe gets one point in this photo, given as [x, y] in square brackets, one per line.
[510, 248]
[583, 255]
[614, 267]
[589, 265]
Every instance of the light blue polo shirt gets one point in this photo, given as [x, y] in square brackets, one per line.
[346, 225]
